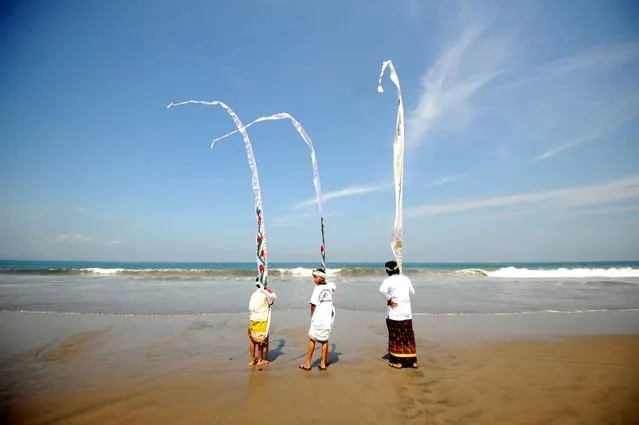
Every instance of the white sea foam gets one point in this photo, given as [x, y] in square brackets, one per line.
[98, 270]
[547, 311]
[201, 314]
[302, 271]
[514, 272]
[472, 272]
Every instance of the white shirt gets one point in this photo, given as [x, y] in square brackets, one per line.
[323, 294]
[398, 288]
[324, 314]
[259, 304]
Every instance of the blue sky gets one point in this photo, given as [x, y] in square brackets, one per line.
[521, 129]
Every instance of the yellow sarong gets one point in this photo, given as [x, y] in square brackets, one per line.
[257, 331]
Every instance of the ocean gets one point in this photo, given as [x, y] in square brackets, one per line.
[210, 289]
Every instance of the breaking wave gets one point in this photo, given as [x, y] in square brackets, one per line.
[524, 273]
[503, 272]
[216, 314]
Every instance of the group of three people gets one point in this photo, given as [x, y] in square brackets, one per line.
[396, 289]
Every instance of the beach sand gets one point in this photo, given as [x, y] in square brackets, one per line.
[195, 371]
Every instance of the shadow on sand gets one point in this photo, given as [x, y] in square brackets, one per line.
[274, 353]
[333, 355]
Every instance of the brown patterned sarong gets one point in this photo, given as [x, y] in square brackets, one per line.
[401, 342]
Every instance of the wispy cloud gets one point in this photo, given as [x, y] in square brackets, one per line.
[342, 193]
[444, 180]
[510, 215]
[113, 243]
[79, 238]
[619, 209]
[593, 59]
[587, 62]
[580, 196]
[294, 220]
[609, 210]
[465, 66]
[568, 145]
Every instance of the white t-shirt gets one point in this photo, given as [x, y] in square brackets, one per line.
[398, 288]
[323, 294]
[322, 319]
[259, 304]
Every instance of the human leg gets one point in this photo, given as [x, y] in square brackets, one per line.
[252, 352]
[391, 325]
[309, 355]
[263, 353]
[324, 361]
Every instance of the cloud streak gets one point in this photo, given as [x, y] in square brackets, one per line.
[293, 220]
[445, 180]
[342, 193]
[594, 59]
[609, 210]
[590, 61]
[580, 196]
[465, 66]
[79, 238]
[568, 145]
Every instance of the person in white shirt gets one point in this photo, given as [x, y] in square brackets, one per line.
[322, 318]
[259, 322]
[397, 289]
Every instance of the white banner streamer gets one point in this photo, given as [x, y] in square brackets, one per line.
[398, 162]
[316, 178]
[261, 252]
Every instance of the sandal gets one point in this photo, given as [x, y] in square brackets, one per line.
[304, 368]
[395, 366]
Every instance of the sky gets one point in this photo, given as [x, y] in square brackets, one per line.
[521, 129]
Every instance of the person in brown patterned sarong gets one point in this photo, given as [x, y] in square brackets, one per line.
[397, 289]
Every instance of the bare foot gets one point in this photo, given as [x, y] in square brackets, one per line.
[305, 366]
[395, 365]
[415, 365]
[253, 362]
[262, 362]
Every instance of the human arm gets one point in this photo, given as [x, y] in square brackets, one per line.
[384, 289]
[270, 296]
[315, 299]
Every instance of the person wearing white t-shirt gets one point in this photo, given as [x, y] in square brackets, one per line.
[259, 322]
[322, 318]
[397, 289]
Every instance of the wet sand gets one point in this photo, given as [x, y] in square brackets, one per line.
[195, 371]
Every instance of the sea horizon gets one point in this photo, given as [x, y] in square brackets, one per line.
[7, 262]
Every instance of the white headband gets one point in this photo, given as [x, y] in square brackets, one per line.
[319, 273]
